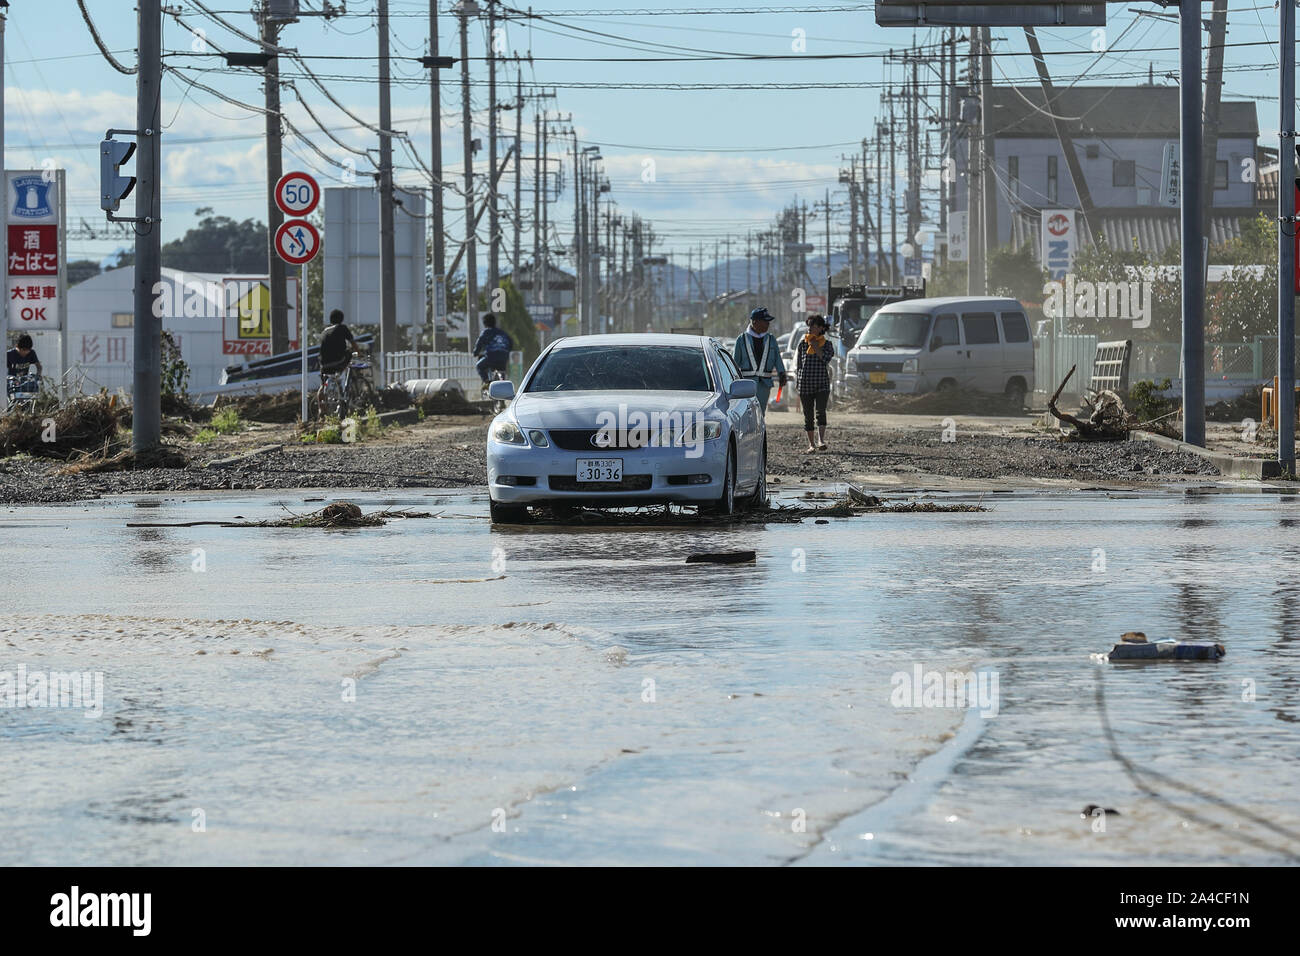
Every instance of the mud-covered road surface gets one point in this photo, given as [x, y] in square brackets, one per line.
[448, 452]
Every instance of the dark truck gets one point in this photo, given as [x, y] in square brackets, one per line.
[851, 308]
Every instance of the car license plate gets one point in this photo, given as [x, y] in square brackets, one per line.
[877, 378]
[600, 469]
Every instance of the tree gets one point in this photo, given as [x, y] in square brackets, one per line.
[79, 270]
[218, 244]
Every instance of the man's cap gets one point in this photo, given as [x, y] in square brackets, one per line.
[760, 315]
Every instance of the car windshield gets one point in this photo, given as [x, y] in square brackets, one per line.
[613, 368]
[898, 329]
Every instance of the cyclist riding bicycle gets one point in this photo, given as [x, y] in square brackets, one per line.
[495, 346]
[22, 357]
[337, 346]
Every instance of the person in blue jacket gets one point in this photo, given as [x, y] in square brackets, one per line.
[758, 355]
[494, 345]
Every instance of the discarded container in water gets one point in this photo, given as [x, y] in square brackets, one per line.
[1167, 650]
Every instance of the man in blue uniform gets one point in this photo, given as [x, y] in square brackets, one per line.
[758, 355]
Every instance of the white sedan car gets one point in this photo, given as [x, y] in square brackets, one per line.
[614, 420]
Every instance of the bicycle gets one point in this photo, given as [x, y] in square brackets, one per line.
[346, 390]
[23, 390]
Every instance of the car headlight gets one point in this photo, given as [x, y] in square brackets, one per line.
[909, 365]
[538, 438]
[700, 431]
[508, 433]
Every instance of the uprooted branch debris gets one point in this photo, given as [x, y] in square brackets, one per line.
[340, 514]
[667, 515]
[1104, 416]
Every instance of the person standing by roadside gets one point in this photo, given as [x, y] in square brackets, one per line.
[758, 355]
[813, 357]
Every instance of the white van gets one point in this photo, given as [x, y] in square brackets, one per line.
[920, 345]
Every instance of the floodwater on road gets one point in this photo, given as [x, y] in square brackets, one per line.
[437, 691]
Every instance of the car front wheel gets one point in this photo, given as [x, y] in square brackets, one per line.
[726, 503]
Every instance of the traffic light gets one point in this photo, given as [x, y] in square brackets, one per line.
[113, 186]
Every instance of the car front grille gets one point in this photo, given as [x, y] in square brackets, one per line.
[580, 439]
[879, 366]
[629, 483]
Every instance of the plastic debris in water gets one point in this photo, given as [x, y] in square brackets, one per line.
[1165, 650]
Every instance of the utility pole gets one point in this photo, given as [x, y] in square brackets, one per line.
[579, 280]
[274, 170]
[727, 243]
[914, 153]
[1285, 246]
[146, 398]
[893, 199]
[494, 227]
[435, 160]
[466, 9]
[1193, 268]
[975, 182]
[519, 164]
[828, 246]
[990, 217]
[749, 260]
[853, 222]
[538, 201]
[1213, 99]
[387, 250]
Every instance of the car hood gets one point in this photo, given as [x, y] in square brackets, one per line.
[584, 409]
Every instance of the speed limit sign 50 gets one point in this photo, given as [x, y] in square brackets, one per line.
[297, 241]
[297, 194]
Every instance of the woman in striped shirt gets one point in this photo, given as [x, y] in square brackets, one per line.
[813, 357]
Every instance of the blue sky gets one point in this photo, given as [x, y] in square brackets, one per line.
[725, 161]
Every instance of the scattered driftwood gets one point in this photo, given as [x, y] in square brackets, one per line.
[1106, 417]
[247, 456]
[79, 425]
[162, 456]
[340, 514]
[723, 557]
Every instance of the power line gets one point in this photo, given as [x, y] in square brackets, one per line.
[103, 48]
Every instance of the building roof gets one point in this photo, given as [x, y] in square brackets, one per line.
[556, 278]
[1149, 112]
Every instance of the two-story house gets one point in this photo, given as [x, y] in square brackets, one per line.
[1120, 135]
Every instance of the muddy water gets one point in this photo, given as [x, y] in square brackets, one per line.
[437, 691]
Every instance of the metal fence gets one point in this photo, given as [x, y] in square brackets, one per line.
[1053, 356]
[459, 366]
[1155, 361]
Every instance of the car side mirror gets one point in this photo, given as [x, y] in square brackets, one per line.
[936, 343]
[502, 391]
[743, 388]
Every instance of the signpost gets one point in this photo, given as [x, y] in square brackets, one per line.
[1171, 177]
[1060, 241]
[297, 242]
[297, 194]
[36, 262]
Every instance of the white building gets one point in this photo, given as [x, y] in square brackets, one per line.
[216, 320]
